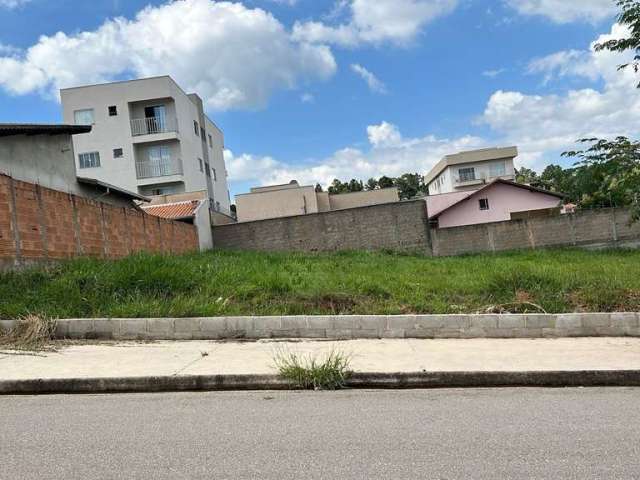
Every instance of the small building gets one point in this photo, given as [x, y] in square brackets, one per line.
[501, 200]
[470, 170]
[149, 136]
[293, 199]
[44, 155]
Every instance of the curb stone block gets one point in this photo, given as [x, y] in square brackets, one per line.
[511, 321]
[271, 323]
[6, 325]
[186, 325]
[342, 334]
[569, 321]
[239, 324]
[377, 323]
[485, 322]
[406, 322]
[132, 328]
[321, 322]
[393, 333]
[77, 329]
[596, 319]
[105, 328]
[160, 325]
[540, 321]
[624, 320]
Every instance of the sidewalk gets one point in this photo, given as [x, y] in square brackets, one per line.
[187, 359]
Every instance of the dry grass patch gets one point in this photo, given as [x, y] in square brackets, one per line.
[31, 333]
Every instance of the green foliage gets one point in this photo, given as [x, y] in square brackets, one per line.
[311, 373]
[410, 185]
[613, 170]
[629, 16]
[230, 283]
[526, 175]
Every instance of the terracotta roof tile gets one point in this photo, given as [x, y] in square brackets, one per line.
[173, 210]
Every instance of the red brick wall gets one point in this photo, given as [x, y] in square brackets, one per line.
[39, 224]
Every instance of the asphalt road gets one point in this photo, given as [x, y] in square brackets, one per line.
[437, 434]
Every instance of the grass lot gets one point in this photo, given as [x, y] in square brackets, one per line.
[242, 283]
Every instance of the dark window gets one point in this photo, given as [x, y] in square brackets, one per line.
[484, 204]
[207, 169]
[210, 141]
[467, 174]
[215, 175]
[196, 128]
[113, 111]
[118, 153]
[200, 163]
[203, 135]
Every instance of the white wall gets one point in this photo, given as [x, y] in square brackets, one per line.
[482, 171]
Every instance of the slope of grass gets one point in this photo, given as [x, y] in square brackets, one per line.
[243, 283]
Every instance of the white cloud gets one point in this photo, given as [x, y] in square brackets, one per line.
[375, 22]
[565, 11]
[389, 153]
[12, 3]
[374, 83]
[307, 98]
[546, 124]
[493, 73]
[233, 56]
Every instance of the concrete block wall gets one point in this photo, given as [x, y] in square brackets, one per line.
[39, 224]
[354, 326]
[607, 227]
[396, 226]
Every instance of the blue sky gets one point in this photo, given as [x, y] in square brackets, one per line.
[318, 89]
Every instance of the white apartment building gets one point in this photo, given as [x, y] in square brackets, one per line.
[471, 170]
[149, 136]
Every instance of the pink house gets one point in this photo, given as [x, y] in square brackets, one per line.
[495, 202]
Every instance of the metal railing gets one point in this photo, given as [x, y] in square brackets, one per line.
[151, 125]
[154, 168]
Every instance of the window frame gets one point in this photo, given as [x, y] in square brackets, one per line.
[121, 150]
[196, 128]
[114, 112]
[484, 204]
[494, 171]
[84, 110]
[464, 177]
[94, 160]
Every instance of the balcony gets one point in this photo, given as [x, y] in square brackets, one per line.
[153, 126]
[155, 168]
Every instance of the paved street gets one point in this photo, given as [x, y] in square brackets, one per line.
[443, 434]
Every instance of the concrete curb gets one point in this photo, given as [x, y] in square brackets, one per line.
[339, 327]
[418, 380]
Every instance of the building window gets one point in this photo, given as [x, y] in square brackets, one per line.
[484, 204]
[207, 169]
[196, 128]
[201, 166]
[203, 134]
[215, 175]
[113, 111]
[210, 141]
[467, 174]
[89, 160]
[217, 206]
[118, 153]
[83, 117]
[498, 170]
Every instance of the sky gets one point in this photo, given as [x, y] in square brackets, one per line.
[320, 89]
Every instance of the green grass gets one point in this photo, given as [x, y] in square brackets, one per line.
[249, 283]
[313, 373]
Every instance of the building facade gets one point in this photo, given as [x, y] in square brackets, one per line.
[292, 199]
[150, 137]
[471, 170]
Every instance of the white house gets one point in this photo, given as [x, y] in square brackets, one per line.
[149, 136]
[471, 170]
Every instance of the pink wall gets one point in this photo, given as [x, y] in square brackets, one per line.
[437, 203]
[503, 200]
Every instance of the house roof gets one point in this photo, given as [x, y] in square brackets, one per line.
[470, 156]
[174, 211]
[112, 188]
[9, 129]
[489, 185]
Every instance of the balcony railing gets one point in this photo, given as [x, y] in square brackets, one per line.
[152, 125]
[158, 168]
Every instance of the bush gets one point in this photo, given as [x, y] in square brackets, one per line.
[311, 373]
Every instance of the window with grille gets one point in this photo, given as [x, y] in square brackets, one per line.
[89, 160]
[467, 174]
[484, 204]
[113, 111]
[118, 153]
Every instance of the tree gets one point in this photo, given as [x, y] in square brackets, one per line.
[385, 182]
[614, 168]
[337, 187]
[630, 16]
[411, 185]
[355, 185]
[319, 188]
[526, 175]
[371, 184]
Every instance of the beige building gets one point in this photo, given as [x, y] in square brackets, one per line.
[471, 170]
[293, 199]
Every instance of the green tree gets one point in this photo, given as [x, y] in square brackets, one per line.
[355, 185]
[526, 175]
[614, 169]
[319, 188]
[385, 182]
[411, 185]
[371, 184]
[338, 187]
[629, 16]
